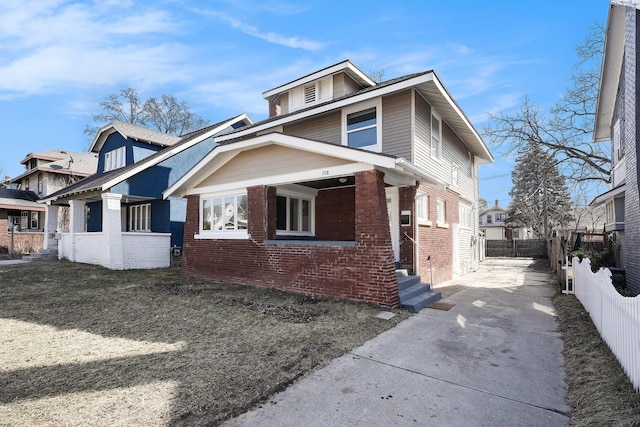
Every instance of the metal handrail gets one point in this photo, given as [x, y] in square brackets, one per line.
[426, 254]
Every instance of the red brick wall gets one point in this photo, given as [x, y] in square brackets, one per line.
[437, 241]
[24, 242]
[363, 272]
[335, 214]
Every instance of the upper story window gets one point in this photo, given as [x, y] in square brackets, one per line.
[26, 184]
[618, 147]
[224, 215]
[115, 159]
[610, 212]
[361, 126]
[455, 180]
[33, 163]
[309, 94]
[489, 219]
[40, 184]
[436, 135]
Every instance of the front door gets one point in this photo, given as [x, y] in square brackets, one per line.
[394, 220]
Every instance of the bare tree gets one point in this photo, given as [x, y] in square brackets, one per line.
[565, 132]
[377, 75]
[165, 114]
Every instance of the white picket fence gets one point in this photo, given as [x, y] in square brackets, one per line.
[616, 317]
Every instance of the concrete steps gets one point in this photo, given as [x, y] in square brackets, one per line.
[42, 255]
[415, 295]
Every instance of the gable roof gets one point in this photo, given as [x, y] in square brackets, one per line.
[104, 181]
[610, 72]
[345, 66]
[222, 154]
[427, 83]
[128, 130]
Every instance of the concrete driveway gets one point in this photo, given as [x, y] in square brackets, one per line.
[493, 359]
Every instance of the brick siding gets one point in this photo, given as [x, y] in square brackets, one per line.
[364, 271]
[24, 242]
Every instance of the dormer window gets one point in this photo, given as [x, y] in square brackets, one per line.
[115, 159]
[310, 93]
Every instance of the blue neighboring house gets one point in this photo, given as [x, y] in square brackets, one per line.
[118, 218]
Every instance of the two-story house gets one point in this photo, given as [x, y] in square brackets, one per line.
[616, 120]
[493, 223]
[118, 218]
[21, 217]
[345, 181]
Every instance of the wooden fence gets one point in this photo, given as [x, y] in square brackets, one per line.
[516, 248]
[616, 317]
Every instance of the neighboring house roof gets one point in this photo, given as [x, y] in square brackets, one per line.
[128, 130]
[221, 154]
[427, 83]
[18, 199]
[608, 195]
[104, 181]
[62, 162]
[610, 72]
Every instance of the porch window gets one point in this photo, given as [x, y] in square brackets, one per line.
[224, 214]
[24, 220]
[361, 126]
[140, 217]
[294, 215]
[436, 135]
[422, 208]
[34, 220]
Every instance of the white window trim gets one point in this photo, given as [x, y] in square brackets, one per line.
[134, 211]
[115, 159]
[437, 115]
[455, 175]
[439, 223]
[423, 220]
[377, 103]
[465, 212]
[220, 234]
[312, 209]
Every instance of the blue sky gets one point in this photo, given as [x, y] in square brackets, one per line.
[59, 59]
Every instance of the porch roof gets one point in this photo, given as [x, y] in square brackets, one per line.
[608, 195]
[344, 161]
[19, 199]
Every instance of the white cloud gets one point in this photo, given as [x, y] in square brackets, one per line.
[271, 37]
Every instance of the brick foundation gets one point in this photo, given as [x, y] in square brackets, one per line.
[362, 269]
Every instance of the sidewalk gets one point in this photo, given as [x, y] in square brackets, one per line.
[12, 261]
[493, 359]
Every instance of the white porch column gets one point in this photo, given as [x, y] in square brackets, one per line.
[112, 229]
[76, 225]
[50, 226]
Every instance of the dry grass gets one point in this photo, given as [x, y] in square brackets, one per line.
[599, 392]
[83, 345]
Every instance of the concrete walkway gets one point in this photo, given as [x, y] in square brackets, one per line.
[494, 359]
[12, 261]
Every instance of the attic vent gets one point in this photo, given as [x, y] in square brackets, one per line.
[310, 94]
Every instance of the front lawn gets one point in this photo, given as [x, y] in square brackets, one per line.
[83, 345]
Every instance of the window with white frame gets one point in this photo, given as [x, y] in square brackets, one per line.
[35, 220]
[115, 159]
[24, 220]
[609, 210]
[436, 135]
[140, 217]
[224, 214]
[470, 165]
[489, 219]
[465, 215]
[40, 184]
[618, 147]
[442, 211]
[455, 180]
[294, 214]
[361, 126]
[422, 208]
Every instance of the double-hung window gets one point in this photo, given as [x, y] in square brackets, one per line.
[224, 215]
[294, 214]
[140, 217]
[489, 219]
[436, 135]
[442, 212]
[465, 215]
[361, 126]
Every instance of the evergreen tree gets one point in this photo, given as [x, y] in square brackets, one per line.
[539, 191]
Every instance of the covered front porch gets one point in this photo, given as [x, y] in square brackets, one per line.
[97, 233]
[298, 215]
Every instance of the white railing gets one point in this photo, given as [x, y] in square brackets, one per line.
[616, 317]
